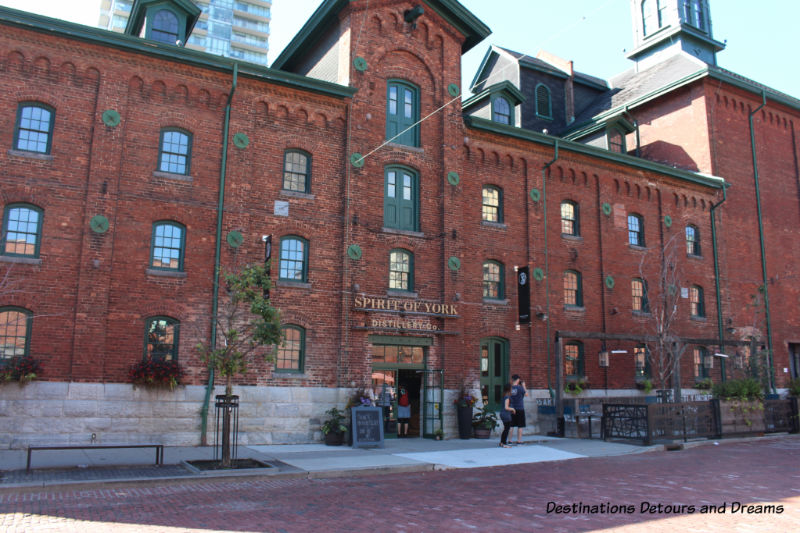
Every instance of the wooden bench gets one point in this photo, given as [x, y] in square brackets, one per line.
[159, 450]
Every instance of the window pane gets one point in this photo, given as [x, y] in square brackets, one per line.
[392, 100]
[570, 288]
[13, 334]
[165, 27]
[174, 152]
[295, 172]
[292, 259]
[409, 104]
[21, 232]
[161, 339]
[491, 280]
[568, 218]
[491, 204]
[290, 351]
[391, 184]
[571, 359]
[34, 129]
[167, 246]
[399, 271]
[407, 187]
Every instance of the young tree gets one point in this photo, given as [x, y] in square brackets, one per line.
[246, 325]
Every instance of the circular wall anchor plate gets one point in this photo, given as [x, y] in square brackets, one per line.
[453, 178]
[454, 263]
[606, 208]
[535, 195]
[453, 90]
[354, 252]
[241, 140]
[538, 274]
[667, 221]
[357, 160]
[99, 224]
[235, 239]
[610, 282]
[111, 117]
[360, 63]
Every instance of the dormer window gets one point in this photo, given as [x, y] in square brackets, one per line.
[616, 141]
[164, 21]
[501, 110]
[652, 16]
[694, 14]
[165, 27]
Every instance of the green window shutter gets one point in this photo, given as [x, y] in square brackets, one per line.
[400, 199]
[402, 112]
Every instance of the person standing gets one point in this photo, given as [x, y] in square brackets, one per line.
[517, 401]
[506, 414]
[403, 413]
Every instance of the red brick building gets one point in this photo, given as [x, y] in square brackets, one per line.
[132, 167]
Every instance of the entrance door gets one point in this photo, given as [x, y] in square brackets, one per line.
[411, 380]
[794, 360]
[432, 396]
[494, 370]
[384, 387]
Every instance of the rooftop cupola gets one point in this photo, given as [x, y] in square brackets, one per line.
[165, 21]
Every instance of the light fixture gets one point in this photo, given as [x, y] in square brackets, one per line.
[619, 351]
[721, 355]
[603, 359]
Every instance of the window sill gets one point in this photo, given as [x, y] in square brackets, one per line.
[401, 294]
[638, 247]
[543, 117]
[495, 301]
[698, 318]
[289, 374]
[165, 273]
[296, 194]
[496, 225]
[570, 237]
[403, 232]
[695, 257]
[287, 283]
[575, 308]
[641, 314]
[172, 176]
[399, 146]
[30, 155]
[20, 260]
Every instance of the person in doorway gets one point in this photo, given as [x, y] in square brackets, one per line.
[518, 394]
[506, 414]
[403, 413]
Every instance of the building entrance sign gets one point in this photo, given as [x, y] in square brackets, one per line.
[407, 306]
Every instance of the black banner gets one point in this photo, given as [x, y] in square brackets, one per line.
[524, 295]
[267, 256]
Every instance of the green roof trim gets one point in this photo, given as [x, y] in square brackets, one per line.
[505, 88]
[100, 37]
[452, 11]
[614, 120]
[600, 153]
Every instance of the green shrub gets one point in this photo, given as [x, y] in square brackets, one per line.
[738, 389]
[794, 387]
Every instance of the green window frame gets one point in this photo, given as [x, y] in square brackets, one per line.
[694, 13]
[641, 358]
[495, 370]
[639, 295]
[692, 240]
[15, 332]
[616, 141]
[401, 270]
[293, 259]
[700, 356]
[544, 104]
[167, 246]
[161, 338]
[573, 359]
[402, 113]
[492, 204]
[401, 198]
[573, 288]
[175, 151]
[22, 230]
[493, 280]
[635, 230]
[696, 301]
[570, 218]
[292, 350]
[33, 130]
[297, 171]
[502, 111]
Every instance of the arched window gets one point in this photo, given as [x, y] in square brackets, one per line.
[635, 230]
[294, 259]
[573, 359]
[544, 108]
[493, 286]
[641, 357]
[22, 230]
[15, 332]
[34, 128]
[501, 111]
[696, 301]
[167, 246]
[401, 199]
[570, 218]
[291, 352]
[639, 294]
[175, 151]
[402, 113]
[692, 240]
[164, 27]
[492, 206]
[297, 171]
[161, 339]
[573, 292]
[401, 270]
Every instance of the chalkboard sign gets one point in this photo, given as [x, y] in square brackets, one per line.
[367, 427]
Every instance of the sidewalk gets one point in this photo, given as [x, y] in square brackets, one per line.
[82, 467]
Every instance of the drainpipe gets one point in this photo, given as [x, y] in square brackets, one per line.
[220, 210]
[716, 274]
[547, 282]
[761, 241]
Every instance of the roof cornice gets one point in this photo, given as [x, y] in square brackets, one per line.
[592, 151]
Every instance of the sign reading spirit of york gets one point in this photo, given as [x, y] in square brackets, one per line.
[396, 305]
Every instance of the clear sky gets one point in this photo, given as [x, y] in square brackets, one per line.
[762, 37]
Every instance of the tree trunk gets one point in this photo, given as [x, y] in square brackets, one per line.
[676, 379]
[226, 424]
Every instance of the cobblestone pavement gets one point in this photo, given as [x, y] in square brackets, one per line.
[513, 498]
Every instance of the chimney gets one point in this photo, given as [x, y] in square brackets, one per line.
[567, 68]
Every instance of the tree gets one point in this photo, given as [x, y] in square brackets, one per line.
[246, 324]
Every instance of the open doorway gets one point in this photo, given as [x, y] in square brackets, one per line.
[412, 382]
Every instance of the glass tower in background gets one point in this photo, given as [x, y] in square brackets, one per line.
[231, 28]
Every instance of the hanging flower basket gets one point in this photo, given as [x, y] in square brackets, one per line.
[156, 373]
[21, 369]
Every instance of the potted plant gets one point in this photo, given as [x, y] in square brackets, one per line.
[645, 385]
[704, 384]
[484, 422]
[156, 373]
[21, 368]
[576, 387]
[333, 428]
[438, 434]
[464, 404]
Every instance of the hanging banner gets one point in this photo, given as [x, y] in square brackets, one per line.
[267, 256]
[524, 295]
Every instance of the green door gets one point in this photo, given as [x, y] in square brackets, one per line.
[494, 370]
[401, 113]
[400, 199]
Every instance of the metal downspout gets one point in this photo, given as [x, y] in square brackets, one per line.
[761, 241]
[220, 210]
[547, 275]
[716, 274]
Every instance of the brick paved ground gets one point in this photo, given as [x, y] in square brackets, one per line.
[491, 499]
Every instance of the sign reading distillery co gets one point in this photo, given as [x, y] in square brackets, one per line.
[412, 307]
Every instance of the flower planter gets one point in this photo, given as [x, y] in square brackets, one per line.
[334, 439]
[483, 433]
[464, 421]
[740, 417]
